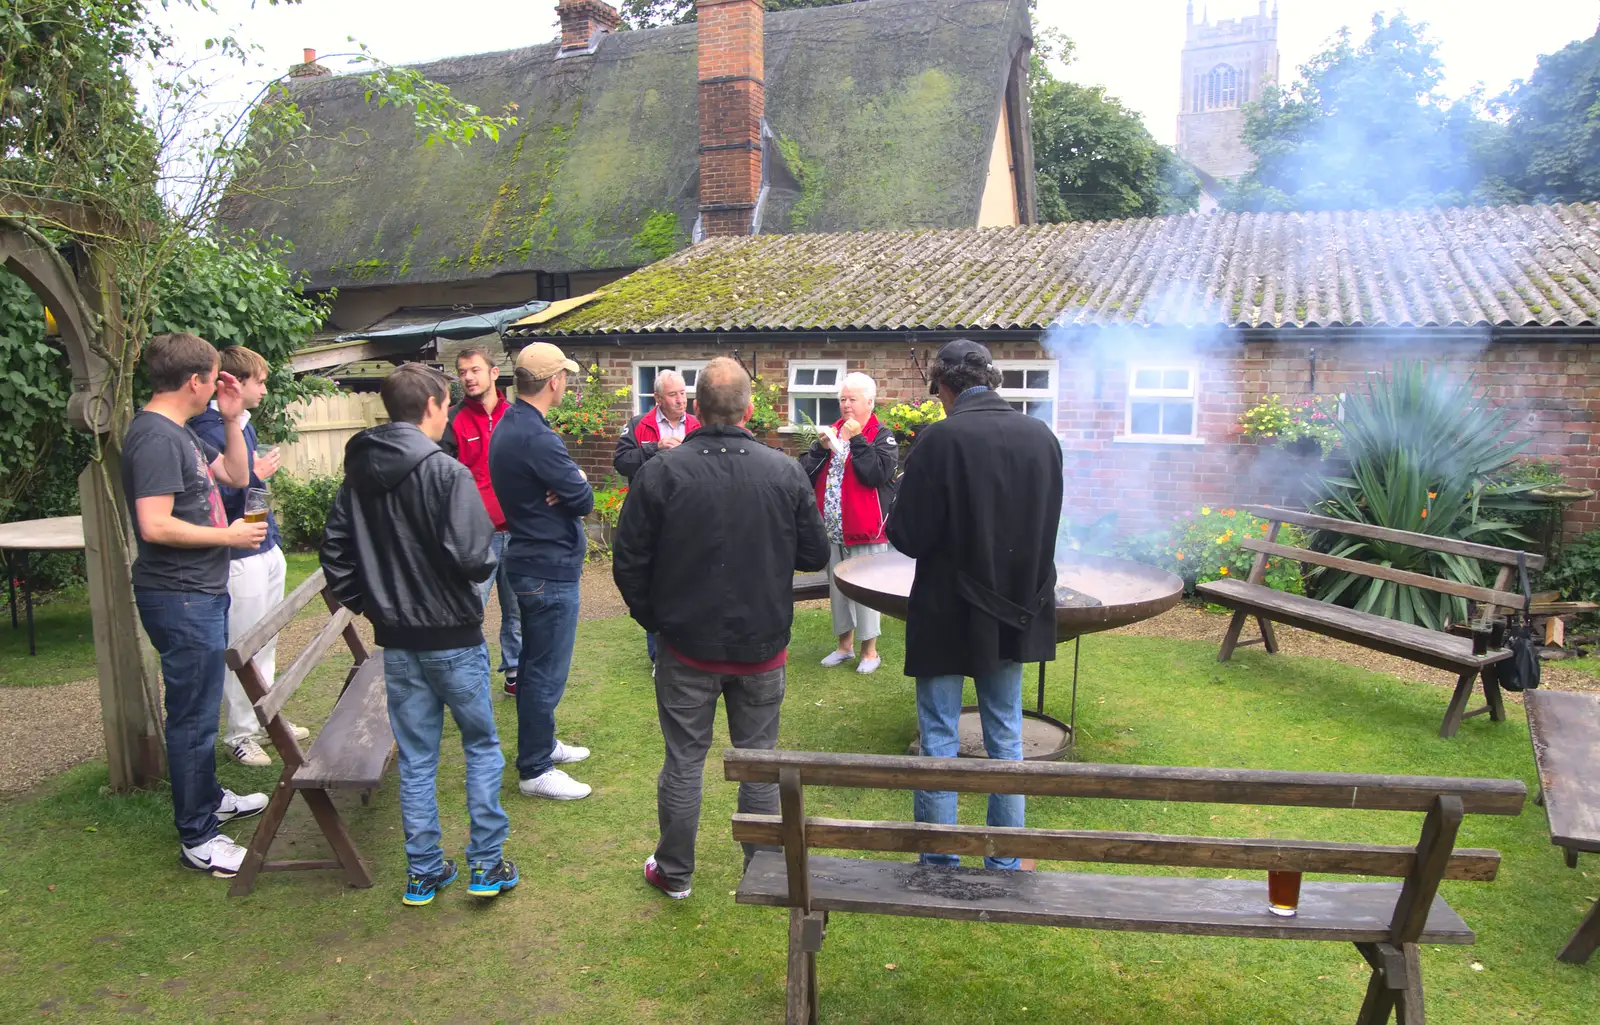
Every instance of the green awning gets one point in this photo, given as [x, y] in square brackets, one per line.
[455, 328]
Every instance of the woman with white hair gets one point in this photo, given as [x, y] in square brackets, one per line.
[853, 466]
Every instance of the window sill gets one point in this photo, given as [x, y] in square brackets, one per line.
[1156, 439]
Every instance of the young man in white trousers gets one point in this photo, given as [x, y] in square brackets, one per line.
[255, 578]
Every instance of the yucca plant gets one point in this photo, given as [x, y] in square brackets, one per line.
[1422, 451]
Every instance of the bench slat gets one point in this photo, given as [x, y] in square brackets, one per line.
[277, 617]
[353, 747]
[1398, 576]
[810, 586]
[1566, 749]
[1353, 912]
[1137, 782]
[301, 667]
[1114, 848]
[1405, 640]
[1448, 545]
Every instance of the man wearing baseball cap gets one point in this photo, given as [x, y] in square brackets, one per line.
[978, 508]
[544, 497]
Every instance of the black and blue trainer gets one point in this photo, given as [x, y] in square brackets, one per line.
[421, 888]
[492, 882]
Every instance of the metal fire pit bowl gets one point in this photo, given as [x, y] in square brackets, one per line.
[1127, 591]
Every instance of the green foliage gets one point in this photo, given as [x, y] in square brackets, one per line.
[765, 397]
[1205, 546]
[1575, 571]
[906, 419]
[1424, 453]
[1311, 420]
[1366, 126]
[35, 382]
[1554, 130]
[1093, 157]
[590, 409]
[301, 507]
[650, 13]
[661, 236]
[608, 500]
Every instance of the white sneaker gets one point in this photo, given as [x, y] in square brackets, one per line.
[837, 657]
[566, 753]
[240, 806]
[219, 855]
[248, 752]
[556, 785]
[869, 665]
[300, 732]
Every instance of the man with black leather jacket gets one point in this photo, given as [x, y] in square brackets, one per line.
[705, 555]
[407, 544]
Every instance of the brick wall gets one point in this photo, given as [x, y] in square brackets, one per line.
[1552, 389]
[732, 100]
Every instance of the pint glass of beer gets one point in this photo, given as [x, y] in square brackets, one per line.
[1283, 893]
[255, 505]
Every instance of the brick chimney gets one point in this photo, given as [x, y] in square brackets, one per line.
[309, 68]
[732, 101]
[583, 22]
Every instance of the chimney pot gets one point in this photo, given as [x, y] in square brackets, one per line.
[583, 22]
[309, 68]
[310, 56]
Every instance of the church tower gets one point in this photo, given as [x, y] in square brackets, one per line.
[1225, 66]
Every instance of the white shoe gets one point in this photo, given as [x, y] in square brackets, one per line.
[837, 657]
[567, 753]
[869, 665]
[300, 732]
[248, 752]
[556, 785]
[218, 855]
[240, 806]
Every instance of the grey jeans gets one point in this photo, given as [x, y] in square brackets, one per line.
[687, 702]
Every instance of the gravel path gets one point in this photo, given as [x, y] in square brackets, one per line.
[44, 730]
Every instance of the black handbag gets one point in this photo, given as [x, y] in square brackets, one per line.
[1521, 670]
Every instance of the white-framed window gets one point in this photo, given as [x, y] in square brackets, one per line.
[644, 381]
[1161, 402]
[814, 390]
[1030, 386]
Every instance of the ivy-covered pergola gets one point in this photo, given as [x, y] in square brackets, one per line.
[76, 283]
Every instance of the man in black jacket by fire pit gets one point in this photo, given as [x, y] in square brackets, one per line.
[705, 555]
[978, 508]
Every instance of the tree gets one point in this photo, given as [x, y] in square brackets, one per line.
[1093, 157]
[1366, 126]
[1554, 133]
[651, 13]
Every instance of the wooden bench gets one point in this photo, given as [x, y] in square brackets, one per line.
[810, 586]
[1450, 652]
[1386, 921]
[352, 750]
[1566, 749]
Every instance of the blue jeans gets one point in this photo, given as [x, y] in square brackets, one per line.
[549, 630]
[652, 644]
[939, 717]
[510, 617]
[189, 629]
[421, 685]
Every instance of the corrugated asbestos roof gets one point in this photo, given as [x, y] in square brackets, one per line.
[883, 114]
[1510, 265]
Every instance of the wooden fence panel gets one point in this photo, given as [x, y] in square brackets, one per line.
[326, 423]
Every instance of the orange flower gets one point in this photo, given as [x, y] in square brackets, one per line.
[1180, 555]
[1424, 514]
[1223, 571]
[1433, 494]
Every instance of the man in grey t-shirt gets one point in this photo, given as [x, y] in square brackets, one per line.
[180, 578]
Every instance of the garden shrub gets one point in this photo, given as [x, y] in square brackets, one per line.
[1205, 546]
[302, 507]
[1575, 572]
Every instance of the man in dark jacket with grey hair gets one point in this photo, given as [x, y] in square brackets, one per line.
[978, 508]
[407, 544]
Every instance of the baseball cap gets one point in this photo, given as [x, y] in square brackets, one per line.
[965, 350]
[543, 360]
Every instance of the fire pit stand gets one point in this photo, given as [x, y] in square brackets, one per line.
[1123, 592]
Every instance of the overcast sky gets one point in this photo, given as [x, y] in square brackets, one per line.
[1129, 46]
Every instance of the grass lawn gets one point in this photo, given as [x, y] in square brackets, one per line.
[97, 917]
[64, 636]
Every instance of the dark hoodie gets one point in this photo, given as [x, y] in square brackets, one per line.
[408, 541]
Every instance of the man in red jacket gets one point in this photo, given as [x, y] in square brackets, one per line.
[662, 429]
[466, 437]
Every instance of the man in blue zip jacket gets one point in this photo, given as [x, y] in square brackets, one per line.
[255, 577]
[544, 496]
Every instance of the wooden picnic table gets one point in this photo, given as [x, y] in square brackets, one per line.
[1566, 750]
[19, 539]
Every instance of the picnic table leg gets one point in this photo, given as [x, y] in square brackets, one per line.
[1458, 704]
[1408, 1005]
[27, 600]
[327, 816]
[799, 997]
[11, 589]
[261, 842]
[1383, 985]
[1269, 638]
[1491, 694]
[1585, 940]
[1571, 856]
[1231, 639]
